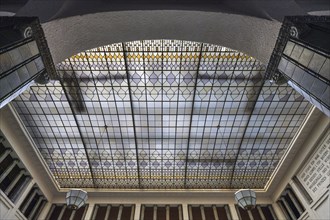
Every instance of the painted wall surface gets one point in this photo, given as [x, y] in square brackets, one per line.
[314, 176]
[323, 209]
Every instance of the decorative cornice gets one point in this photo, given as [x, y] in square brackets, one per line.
[30, 27]
[292, 27]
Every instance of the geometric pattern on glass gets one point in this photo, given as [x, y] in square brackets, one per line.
[161, 114]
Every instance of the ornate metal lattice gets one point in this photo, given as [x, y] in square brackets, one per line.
[160, 114]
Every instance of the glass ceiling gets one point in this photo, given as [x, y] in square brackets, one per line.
[162, 114]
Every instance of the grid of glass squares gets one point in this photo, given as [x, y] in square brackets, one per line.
[162, 114]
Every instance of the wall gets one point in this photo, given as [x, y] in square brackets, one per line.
[20, 197]
[10, 210]
[314, 177]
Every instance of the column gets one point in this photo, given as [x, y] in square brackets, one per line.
[41, 207]
[273, 213]
[8, 170]
[279, 210]
[190, 213]
[35, 207]
[233, 211]
[29, 201]
[107, 213]
[137, 217]
[155, 213]
[137, 211]
[62, 212]
[250, 214]
[184, 211]
[120, 212]
[132, 212]
[229, 216]
[22, 187]
[89, 211]
[96, 208]
[167, 212]
[287, 207]
[180, 213]
[47, 209]
[261, 213]
[202, 212]
[25, 193]
[215, 212]
[72, 214]
[297, 191]
[295, 202]
[5, 154]
[13, 183]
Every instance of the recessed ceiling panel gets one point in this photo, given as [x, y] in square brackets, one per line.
[162, 114]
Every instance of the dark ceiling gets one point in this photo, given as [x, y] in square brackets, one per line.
[48, 10]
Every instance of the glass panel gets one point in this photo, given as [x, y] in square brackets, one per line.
[165, 114]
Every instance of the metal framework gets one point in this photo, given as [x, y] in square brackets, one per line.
[162, 114]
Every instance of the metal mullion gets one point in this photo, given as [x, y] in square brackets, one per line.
[256, 171]
[286, 128]
[147, 115]
[224, 102]
[90, 70]
[162, 111]
[160, 115]
[241, 142]
[66, 134]
[208, 106]
[259, 127]
[47, 149]
[242, 139]
[177, 109]
[162, 106]
[132, 110]
[191, 115]
[32, 126]
[113, 93]
[121, 135]
[170, 138]
[47, 134]
[78, 127]
[229, 138]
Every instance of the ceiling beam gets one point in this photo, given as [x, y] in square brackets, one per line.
[132, 110]
[78, 127]
[191, 116]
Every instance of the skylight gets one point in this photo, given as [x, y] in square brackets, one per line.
[161, 114]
